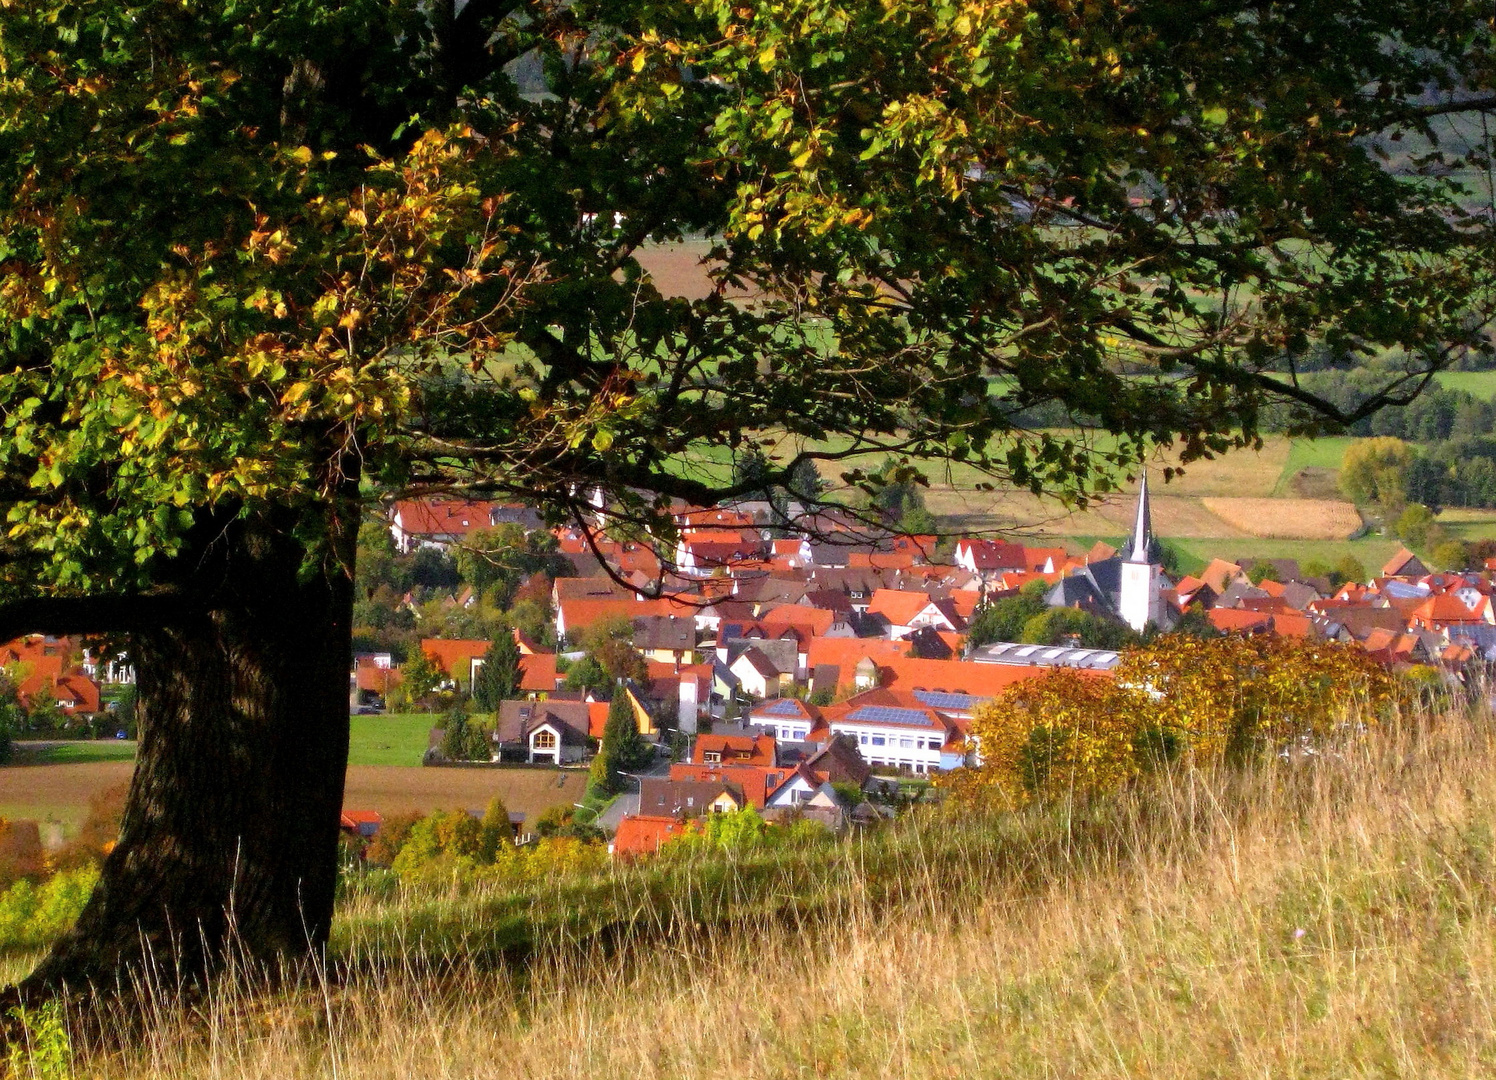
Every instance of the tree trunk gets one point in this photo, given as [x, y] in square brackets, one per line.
[229, 841]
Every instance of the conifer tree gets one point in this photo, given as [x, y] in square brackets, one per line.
[498, 676]
[494, 830]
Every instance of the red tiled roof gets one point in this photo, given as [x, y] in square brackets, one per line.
[898, 606]
[1396, 564]
[735, 749]
[755, 780]
[953, 676]
[537, 672]
[1219, 574]
[1443, 608]
[597, 718]
[1228, 620]
[965, 602]
[640, 834]
[46, 663]
[440, 517]
[1292, 624]
[816, 620]
[846, 652]
[995, 554]
[446, 653]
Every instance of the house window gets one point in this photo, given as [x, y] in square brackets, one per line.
[862, 739]
[544, 739]
[712, 757]
[878, 740]
[906, 743]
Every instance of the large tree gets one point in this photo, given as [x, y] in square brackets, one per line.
[261, 263]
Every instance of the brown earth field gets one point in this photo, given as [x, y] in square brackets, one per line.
[1288, 519]
[57, 793]
[677, 270]
[1178, 506]
[1019, 514]
[397, 789]
[60, 793]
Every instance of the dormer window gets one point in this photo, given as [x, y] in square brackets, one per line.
[712, 757]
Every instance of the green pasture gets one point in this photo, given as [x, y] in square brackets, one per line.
[1323, 453]
[81, 752]
[398, 739]
[1193, 555]
[1464, 524]
[1373, 551]
[1478, 384]
[373, 740]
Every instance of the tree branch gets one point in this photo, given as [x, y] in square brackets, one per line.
[92, 614]
[1443, 108]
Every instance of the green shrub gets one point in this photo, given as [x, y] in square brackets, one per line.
[44, 1051]
[33, 916]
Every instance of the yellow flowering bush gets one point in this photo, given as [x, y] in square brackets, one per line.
[1078, 732]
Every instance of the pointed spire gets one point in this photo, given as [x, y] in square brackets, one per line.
[1138, 550]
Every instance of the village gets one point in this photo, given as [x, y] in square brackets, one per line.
[813, 673]
[793, 673]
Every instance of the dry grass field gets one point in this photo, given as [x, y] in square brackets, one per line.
[1022, 514]
[1288, 519]
[1179, 509]
[1330, 918]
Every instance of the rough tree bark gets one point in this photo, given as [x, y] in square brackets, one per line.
[229, 841]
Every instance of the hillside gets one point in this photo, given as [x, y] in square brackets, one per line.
[1336, 916]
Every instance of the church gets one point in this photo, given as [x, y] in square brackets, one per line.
[1127, 586]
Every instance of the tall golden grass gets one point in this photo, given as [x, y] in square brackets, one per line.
[1333, 915]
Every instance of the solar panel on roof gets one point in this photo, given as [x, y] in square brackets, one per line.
[887, 714]
[939, 699]
[782, 707]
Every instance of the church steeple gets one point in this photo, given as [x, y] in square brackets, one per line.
[1139, 549]
[1140, 600]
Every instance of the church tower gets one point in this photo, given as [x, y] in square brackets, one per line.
[1140, 602]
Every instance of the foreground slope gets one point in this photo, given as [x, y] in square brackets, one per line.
[1334, 916]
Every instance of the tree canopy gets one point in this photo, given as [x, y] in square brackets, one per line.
[289, 244]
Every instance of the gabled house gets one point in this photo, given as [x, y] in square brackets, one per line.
[440, 523]
[41, 664]
[745, 748]
[456, 658]
[1444, 610]
[536, 731]
[759, 676]
[989, 556]
[361, 823]
[642, 834]
[1405, 565]
[897, 730]
[910, 611]
[665, 638]
[689, 798]
[788, 718]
